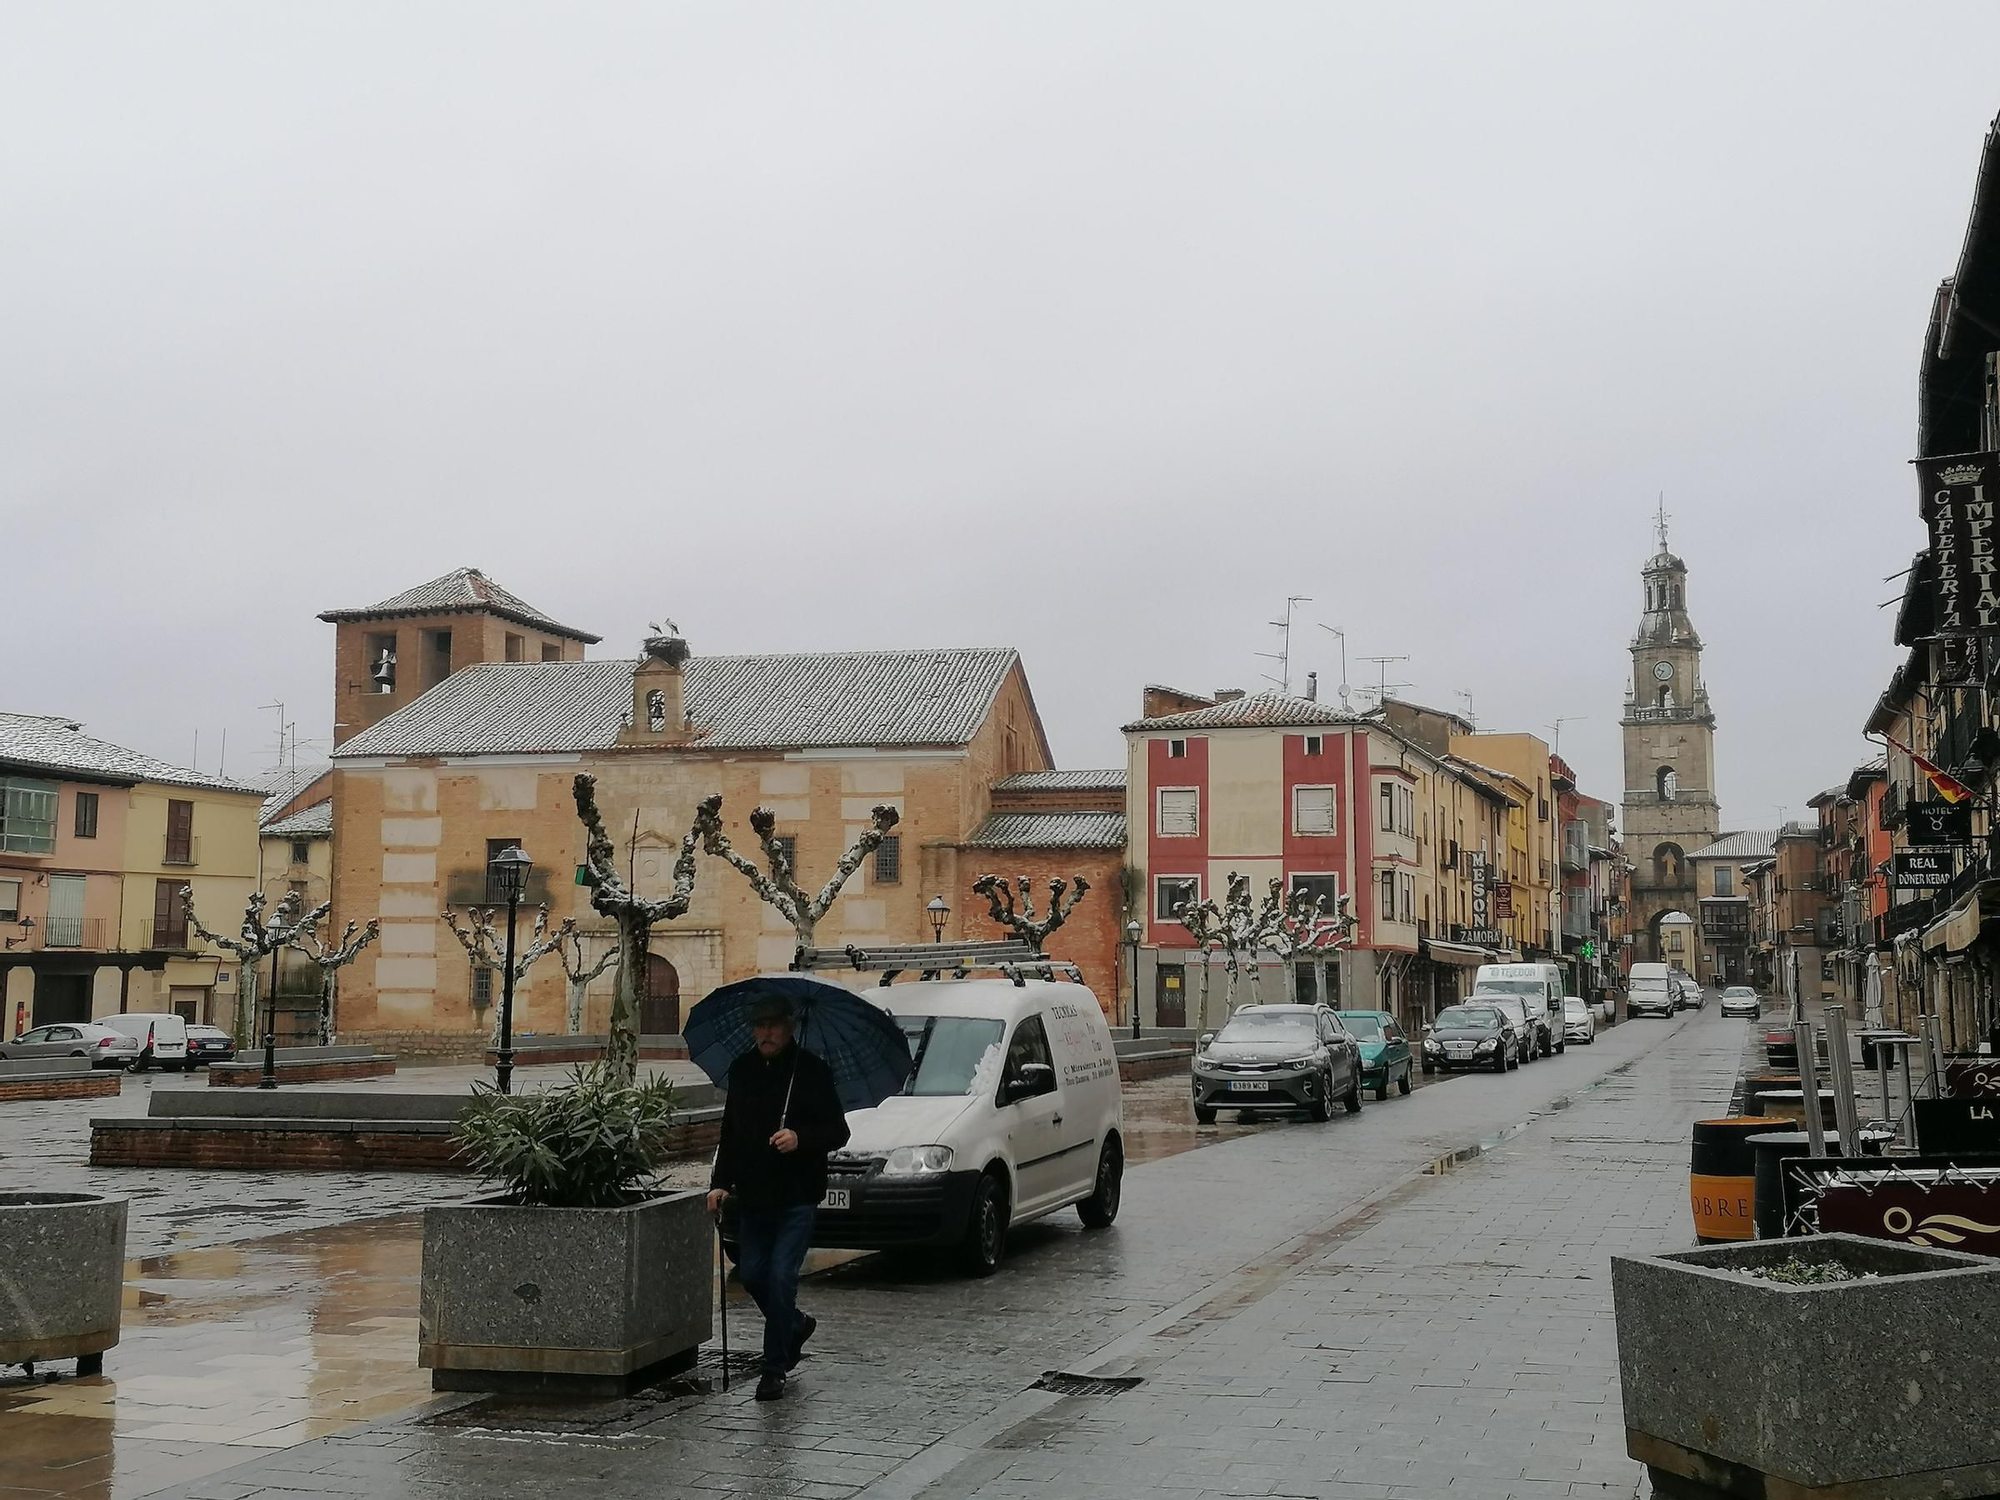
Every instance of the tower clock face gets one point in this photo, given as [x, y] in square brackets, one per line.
[1663, 670]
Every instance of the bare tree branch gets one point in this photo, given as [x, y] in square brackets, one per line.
[780, 888]
[331, 958]
[1000, 899]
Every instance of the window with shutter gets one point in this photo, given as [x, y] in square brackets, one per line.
[1179, 812]
[1388, 801]
[1172, 892]
[889, 860]
[86, 815]
[1312, 809]
[1387, 909]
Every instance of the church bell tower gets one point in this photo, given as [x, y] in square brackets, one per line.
[1670, 807]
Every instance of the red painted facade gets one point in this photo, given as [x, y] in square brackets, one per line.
[1177, 855]
[1318, 853]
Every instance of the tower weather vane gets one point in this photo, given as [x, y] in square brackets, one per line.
[1660, 520]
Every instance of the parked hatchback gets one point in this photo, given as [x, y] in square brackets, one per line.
[1579, 1020]
[1741, 1000]
[1278, 1057]
[1472, 1034]
[1385, 1050]
[104, 1047]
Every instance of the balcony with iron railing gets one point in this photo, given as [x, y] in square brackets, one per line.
[183, 850]
[73, 932]
[148, 933]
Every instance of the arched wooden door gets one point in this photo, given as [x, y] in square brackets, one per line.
[660, 1010]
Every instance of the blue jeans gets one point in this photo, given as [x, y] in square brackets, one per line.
[770, 1248]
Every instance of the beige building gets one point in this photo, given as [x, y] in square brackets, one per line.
[488, 757]
[1523, 767]
[96, 842]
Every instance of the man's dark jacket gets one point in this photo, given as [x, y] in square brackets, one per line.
[754, 1171]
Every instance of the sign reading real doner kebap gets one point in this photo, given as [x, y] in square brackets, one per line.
[1921, 869]
[1960, 495]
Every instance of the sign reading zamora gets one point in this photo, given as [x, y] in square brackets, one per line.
[1922, 869]
[1960, 494]
[1941, 823]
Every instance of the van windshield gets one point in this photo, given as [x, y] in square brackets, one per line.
[953, 1054]
[1536, 987]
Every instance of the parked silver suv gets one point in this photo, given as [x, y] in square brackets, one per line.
[1278, 1057]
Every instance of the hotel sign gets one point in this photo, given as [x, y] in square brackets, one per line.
[1959, 496]
[1940, 823]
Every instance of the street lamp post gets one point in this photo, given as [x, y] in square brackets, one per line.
[1133, 932]
[939, 911]
[510, 869]
[270, 1077]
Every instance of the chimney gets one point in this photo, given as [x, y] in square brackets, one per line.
[1312, 687]
[1228, 695]
[658, 715]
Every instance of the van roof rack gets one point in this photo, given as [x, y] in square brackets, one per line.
[1012, 959]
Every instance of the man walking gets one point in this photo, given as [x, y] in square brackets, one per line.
[779, 1122]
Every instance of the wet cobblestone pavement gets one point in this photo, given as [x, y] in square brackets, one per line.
[1310, 1311]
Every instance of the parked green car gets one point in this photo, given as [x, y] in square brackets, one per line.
[1385, 1052]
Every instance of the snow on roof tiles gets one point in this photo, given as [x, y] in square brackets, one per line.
[55, 746]
[1751, 843]
[797, 701]
[1067, 830]
[311, 822]
[1109, 780]
[1269, 710]
[462, 591]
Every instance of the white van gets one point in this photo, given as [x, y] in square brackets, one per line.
[1539, 988]
[1649, 991]
[1012, 1111]
[161, 1035]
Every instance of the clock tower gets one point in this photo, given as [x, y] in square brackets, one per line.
[1670, 807]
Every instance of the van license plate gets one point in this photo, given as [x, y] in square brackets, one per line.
[1245, 1087]
[835, 1198]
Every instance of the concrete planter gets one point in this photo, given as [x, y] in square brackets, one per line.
[1877, 1389]
[589, 1301]
[62, 1277]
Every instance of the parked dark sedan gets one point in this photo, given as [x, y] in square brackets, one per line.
[1471, 1036]
[207, 1044]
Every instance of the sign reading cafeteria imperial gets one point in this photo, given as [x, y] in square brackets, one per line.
[1959, 495]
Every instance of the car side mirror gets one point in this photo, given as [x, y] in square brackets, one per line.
[1204, 1039]
[1033, 1079]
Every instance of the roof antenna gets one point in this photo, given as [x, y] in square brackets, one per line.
[1383, 684]
[1336, 630]
[1283, 656]
[1470, 717]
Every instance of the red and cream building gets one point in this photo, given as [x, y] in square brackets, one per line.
[1272, 786]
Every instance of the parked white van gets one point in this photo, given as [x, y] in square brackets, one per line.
[161, 1035]
[1539, 988]
[1649, 991]
[1012, 1111]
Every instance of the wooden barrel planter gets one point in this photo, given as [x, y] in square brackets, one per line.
[1756, 1085]
[1722, 1175]
[1790, 1104]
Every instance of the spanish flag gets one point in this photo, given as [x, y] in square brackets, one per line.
[1946, 785]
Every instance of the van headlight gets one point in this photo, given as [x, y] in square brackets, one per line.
[917, 1161]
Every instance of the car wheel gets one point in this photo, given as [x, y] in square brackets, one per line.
[1503, 1060]
[1353, 1097]
[1101, 1207]
[1405, 1083]
[1321, 1109]
[1382, 1088]
[1428, 1069]
[1203, 1115]
[985, 1239]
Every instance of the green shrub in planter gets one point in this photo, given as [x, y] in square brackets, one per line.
[581, 1276]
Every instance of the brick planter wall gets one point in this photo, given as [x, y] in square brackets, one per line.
[1163, 1065]
[95, 1085]
[247, 1075]
[302, 1146]
[528, 1057]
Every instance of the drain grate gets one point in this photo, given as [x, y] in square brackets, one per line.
[1065, 1384]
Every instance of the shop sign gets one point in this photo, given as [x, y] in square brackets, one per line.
[1965, 542]
[1921, 869]
[1939, 823]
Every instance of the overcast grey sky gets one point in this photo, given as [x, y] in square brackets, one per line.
[1091, 329]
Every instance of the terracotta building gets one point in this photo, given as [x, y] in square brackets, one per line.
[488, 756]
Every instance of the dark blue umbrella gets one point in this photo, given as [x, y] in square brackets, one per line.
[861, 1043]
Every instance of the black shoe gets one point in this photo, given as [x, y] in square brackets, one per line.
[808, 1326]
[771, 1387]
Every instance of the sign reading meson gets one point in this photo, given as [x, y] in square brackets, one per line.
[1959, 498]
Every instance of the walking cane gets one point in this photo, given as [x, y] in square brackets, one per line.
[722, 1298]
